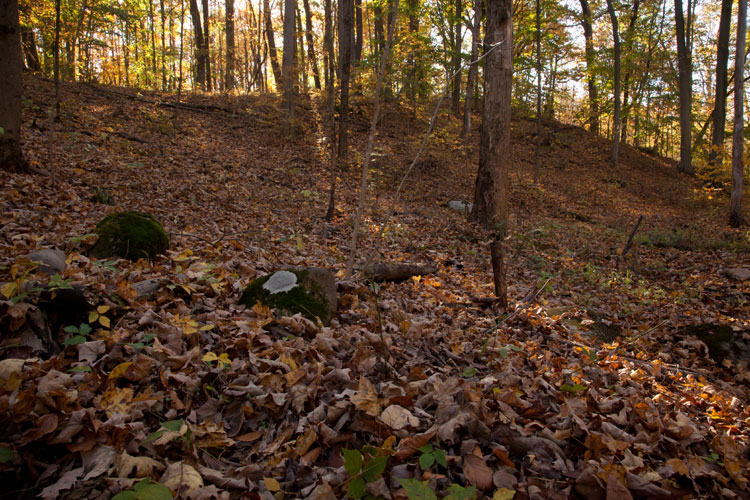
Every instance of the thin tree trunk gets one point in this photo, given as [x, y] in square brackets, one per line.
[330, 74]
[11, 88]
[311, 57]
[616, 118]
[230, 44]
[200, 63]
[626, 81]
[163, 46]
[685, 164]
[56, 106]
[207, 47]
[29, 48]
[588, 35]
[473, 70]
[358, 41]
[346, 35]
[300, 53]
[720, 103]
[182, 47]
[153, 42]
[491, 190]
[735, 210]
[371, 141]
[456, 62]
[289, 69]
[538, 147]
[271, 44]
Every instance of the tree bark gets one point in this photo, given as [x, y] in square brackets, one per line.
[11, 88]
[359, 30]
[626, 81]
[588, 36]
[685, 164]
[456, 62]
[473, 70]
[346, 35]
[538, 146]
[330, 75]
[56, 105]
[163, 46]
[29, 48]
[616, 118]
[230, 44]
[720, 102]
[311, 57]
[271, 44]
[491, 189]
[207, 47]
[200, 67]
[735, 210]
[288, 65]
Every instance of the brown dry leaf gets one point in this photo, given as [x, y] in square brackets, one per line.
[181, 478]
[125, 465]
[272, 484]
[477, 472]
[366, 399]
[616, 490]
[397, 417]
[409, 446]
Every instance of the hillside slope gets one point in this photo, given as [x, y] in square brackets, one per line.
[595, 384]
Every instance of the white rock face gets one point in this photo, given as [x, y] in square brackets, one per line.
[280, 281]
[461, 206]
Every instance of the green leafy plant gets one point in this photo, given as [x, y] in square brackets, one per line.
[364, 467]
[6, 455]
[78, 333]
[174, 427]
[431, 456]
[420, 490]
[145, 490]
[147, 339]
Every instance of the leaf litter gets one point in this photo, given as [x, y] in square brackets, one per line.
[183, 388]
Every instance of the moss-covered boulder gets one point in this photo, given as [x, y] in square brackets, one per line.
[310, 291]
[131, 235]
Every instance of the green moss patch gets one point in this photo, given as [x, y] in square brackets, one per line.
[306, 297]
[131, 235]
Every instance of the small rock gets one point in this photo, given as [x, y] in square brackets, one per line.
[52, 261]
[739, 273]
[146, 288]
[461, 206]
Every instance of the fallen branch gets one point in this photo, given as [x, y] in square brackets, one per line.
[630, 238]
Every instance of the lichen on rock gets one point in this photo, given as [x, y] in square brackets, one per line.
[131, 235]
[313, 295]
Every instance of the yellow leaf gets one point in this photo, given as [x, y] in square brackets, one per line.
[119, 370]
[104, 321]
[93, 316]
[289, 362]
[504, 494]
[206, 328]
[102, 309]
[9, 289]
[210, 356]
[272, 484]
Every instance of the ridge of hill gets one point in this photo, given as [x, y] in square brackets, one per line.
[598, 383]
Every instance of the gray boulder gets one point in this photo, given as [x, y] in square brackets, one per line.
[461, 206]
[51, 261]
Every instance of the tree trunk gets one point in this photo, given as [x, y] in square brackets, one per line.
[311, 57]
[207, 47]
[11, 88]
[163, 46]
[720, 102]
[200, 67]
[378, 28]
[538, 146]
[29, 48]
[473, 70]
[230, 44]
[456, 62]
[153, 42]
[685, 164]
[300, 50]
[735, 211]
[588, 36]
[626, 81]
[359, 30]
[271, 44]
[330, 74]
[616, 118]
[346, 35]
[491, 190]
[288, 66]
[56, 106]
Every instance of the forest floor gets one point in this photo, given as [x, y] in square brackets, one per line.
[593, 385]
